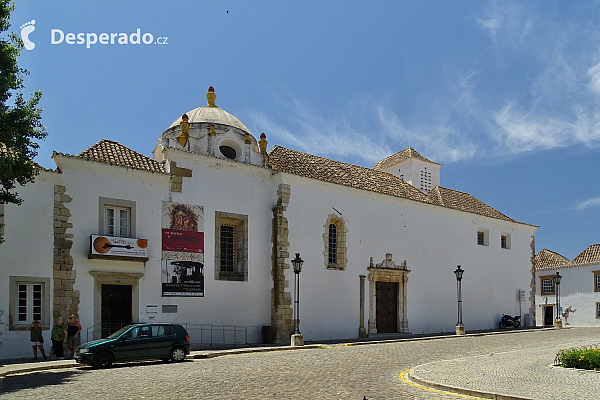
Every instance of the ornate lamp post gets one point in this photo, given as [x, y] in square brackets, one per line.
[557, 321]
[460, 328]
[297, 339]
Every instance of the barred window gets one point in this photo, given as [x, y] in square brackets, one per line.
[334, 239]
[332, 244]
[231, 246]
[480, 238]
[227, 248]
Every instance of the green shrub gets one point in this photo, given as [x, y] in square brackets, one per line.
[584, 358]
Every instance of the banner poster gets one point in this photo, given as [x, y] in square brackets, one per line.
[182, 250]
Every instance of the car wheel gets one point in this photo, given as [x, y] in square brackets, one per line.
[178, 354]
[103, 360]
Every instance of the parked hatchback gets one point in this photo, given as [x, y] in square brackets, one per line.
[137, 342]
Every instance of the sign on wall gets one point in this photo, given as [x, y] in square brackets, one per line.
[108, 246]
[182, 250]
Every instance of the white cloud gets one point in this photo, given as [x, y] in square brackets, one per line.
[594, 202]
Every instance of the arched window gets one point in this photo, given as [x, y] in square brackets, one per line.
[332, 250]
[334, 239]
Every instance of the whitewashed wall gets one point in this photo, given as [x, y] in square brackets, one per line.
[432, 240]
[576, 291]
[27, 251]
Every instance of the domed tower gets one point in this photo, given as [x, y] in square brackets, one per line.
[214, 132]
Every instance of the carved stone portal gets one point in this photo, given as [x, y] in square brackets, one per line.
[387, 272]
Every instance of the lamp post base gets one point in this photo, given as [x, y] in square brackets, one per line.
[460, 329]
[297, 340]
[558, 323]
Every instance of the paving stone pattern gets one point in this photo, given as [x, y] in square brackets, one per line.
[334, 372]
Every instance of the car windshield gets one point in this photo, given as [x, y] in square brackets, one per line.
[119, 332]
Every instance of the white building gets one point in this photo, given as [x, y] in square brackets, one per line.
[203, 233]
[579, 288]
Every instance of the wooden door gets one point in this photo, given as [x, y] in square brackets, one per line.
[387, 307]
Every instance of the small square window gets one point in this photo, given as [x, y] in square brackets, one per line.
[596, 281]
[597, 310]
[482, 237]
[505, 240]
[547, 284]
[29, 301]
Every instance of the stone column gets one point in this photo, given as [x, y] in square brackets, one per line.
[362, 332]
[372, 304]
[281, 300]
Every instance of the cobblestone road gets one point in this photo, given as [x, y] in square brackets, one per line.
[334, 372]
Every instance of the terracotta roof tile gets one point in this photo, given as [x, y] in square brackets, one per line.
[114, 153]
[463, 202]
[324, 169]
[397, 158]
[588, 256]
[547, 259]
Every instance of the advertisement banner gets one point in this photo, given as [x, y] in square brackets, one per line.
[182, 250]
[107, 246]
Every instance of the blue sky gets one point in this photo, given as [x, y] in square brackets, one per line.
[505, 94]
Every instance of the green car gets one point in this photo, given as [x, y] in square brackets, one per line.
[137, 342]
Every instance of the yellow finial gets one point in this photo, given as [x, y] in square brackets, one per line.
[211, 130]
[185, 130]
[211, 97]
[247, 139]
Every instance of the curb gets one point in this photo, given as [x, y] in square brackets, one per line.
[288, 348]
[455, 389]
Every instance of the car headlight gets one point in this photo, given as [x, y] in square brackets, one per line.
[83, 351]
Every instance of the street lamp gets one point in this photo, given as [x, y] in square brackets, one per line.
[297, 339]
[558, 321]
[460, 328]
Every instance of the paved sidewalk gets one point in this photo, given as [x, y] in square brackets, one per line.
[522, 374]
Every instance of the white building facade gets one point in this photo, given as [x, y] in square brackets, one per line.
[203, 233]
[578, 291]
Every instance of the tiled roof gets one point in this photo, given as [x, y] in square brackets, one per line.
[588, 256]
[324, 169]
[547, 259]
[397, 158]
[463, 202]
[114, 153]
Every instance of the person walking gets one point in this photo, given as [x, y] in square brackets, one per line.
[37, 339]
[73, 330]
[59, 338]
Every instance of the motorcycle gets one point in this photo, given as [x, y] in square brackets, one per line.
[508, 321]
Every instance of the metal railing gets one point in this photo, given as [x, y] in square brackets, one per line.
[200, 334]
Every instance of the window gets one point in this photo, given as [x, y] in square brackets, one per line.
[334, 239]
[117, 217]
[425, 180]
[505, 240]
[596, 281]
[597, 310]
[231, 246]
[547, 284]
[482, 237]
[332, 244]
[117, 221]
[29, 300]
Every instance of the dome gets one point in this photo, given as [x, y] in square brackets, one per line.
[212, 114]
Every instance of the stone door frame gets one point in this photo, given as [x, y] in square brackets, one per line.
[397, 275]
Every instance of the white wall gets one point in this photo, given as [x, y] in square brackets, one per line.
[432, 240]
[27, 251]
[576, 291]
